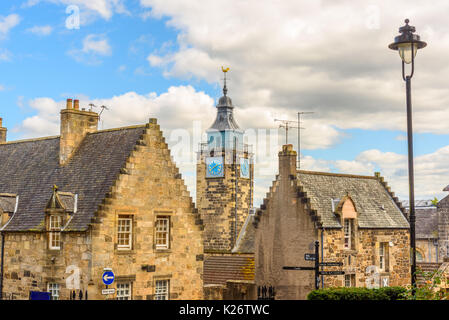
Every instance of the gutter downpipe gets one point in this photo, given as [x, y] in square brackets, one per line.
[322, 256]
[2, 262]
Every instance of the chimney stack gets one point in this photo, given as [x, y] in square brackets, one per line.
[75, 125]
[287, 161]
[2, 132]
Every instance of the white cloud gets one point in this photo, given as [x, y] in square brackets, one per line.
[97, 44]
[103, 8]
[41, 30]
[94, 46]
[7, 23]
[330, 57]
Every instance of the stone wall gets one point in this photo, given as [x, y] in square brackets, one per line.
[429, 249]
[284, 234]
[365, 254]
[443, 227]
[29, 265]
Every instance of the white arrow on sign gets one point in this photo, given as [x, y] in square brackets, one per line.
[106, 277]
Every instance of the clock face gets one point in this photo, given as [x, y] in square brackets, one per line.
[244, 168]
[214, 167]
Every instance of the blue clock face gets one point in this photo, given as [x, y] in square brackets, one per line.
[244, 168]
[214, 167]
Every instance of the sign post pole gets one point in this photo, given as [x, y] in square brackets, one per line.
[317, 265]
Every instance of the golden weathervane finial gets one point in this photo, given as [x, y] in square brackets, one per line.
[224, 70]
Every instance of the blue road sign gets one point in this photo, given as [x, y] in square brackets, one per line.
[108, 277]
[35, 295]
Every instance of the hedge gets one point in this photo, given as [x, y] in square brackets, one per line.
[385, 293]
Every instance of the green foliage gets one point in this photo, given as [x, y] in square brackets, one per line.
[428, 289]
[386, 293]
[435, 201]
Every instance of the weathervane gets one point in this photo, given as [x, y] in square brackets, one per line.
[225, 89]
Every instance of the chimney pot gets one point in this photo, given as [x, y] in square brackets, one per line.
[76, 104]
[69, 104]
[2, 132]
[287, 161]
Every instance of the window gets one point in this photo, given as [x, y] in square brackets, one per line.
[53, 288]
[162, 290]
[419, 257]
[383, 256]
[124, 291]
[55, 234]
[124, 233]
[348, 233]
[349, 280]
[162, 232]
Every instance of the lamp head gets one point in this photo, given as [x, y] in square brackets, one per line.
[407, 43]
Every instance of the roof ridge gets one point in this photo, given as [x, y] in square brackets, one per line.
[29, 140]
[58, 136]
[120, 128]
[346, 175]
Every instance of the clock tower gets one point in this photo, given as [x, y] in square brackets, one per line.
[225, 179]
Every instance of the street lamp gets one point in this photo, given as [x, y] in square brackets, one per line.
[407, 44]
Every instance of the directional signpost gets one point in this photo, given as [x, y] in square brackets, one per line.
[108, 278]
[331, 273]
[331, 264]
[309, 257]
[315, 257]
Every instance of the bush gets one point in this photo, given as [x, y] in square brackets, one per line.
[386, 293]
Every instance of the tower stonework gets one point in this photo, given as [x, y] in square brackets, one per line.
[225, 180]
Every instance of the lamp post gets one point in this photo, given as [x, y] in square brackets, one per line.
[407, 44]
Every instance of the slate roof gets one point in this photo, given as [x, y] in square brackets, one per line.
[225, 116]
[219, 269]
[245, 241]
[426, 223]
[426, 218]
[30, 168]
[375, 205]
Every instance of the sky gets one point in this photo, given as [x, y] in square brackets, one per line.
[162, 59]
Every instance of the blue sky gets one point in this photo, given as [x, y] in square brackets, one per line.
[163, 58]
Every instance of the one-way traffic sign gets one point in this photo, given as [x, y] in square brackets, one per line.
[108, 277]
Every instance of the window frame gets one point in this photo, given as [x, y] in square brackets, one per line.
[383, 256]
[347, 234]
[54, 236]
[120, 291]
[128, 218]
[166, 289]
[52, 288]
[167, 243]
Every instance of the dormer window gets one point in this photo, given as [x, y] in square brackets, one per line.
[55, 232]
[345, 208]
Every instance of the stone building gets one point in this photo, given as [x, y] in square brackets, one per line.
[224, 188]
[76, 204]
[356, 219]
[427, 217]
[443, 227]
[432, 230]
